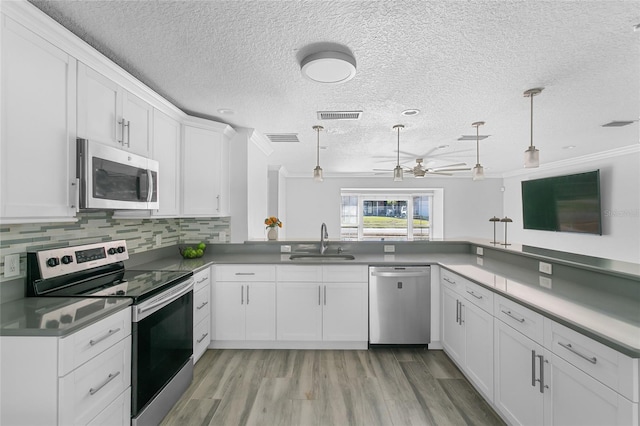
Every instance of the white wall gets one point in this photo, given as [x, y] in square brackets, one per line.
[468, 205]
[277, 197]
[620, 192]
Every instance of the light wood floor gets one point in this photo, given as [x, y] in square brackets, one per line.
[300, 387]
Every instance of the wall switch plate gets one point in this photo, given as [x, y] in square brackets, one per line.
[159, 239]
[479, 251]
[222, 236]
[545, 282]
[479, 261]
[389, 249]
[545, 268]
[285, 249]
[12, 265]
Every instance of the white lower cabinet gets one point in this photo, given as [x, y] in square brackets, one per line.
[201, 312]
[80, 379]
[345, 311]
[299, 315]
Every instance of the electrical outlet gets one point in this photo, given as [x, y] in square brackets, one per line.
[222, 236]
[389, 248]
[479, 261]
[479, 251]
[159, 239]
[545, 268]
[285, 249]
[12, 265]
[545, 282]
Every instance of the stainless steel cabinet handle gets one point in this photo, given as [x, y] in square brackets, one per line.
[457, 312]
[533, 368]
[93, 342]
[247, 294]
[461, 312]
[513, 316]
[121, 123]
[218, 203]
[567, 346]
[448, 280]
[202, 306]
[319, 296]
[202, 280]
[128, 134]
[541, 373]
[110, 377]
[242, 295]
[245, 273]
[474, 295]
[202, 338]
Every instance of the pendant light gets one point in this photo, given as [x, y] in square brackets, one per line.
[532, 155]
[317, 172]
[478, 170]
[397, 171]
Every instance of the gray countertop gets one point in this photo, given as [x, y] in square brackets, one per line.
[605, 312]
[29, 316]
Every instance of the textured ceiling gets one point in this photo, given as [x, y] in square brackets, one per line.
[457, 62]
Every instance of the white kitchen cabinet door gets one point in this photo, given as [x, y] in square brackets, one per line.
[229, 310]
[202, 156]
[38, 127]
[478, 329]
[99, 108]
[299, 312]
[517, 389]
[260, 308]
[345, 311]
[572, 397]
[166, 150]
[453, 339]
[138, 115]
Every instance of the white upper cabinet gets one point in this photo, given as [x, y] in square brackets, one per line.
[166, 150]
[205, 177]
[37, 149]
[109, 114]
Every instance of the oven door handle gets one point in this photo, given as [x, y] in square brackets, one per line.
[142, 311]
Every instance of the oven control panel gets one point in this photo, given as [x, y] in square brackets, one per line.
[60, 261]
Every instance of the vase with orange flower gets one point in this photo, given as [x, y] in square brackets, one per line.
[272, 224]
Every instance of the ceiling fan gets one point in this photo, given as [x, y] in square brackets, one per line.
[419, 171]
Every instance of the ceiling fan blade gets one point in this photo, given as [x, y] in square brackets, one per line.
[450, 170]
[428, 153]
[439, 173]
[382, 170]
[448, 166]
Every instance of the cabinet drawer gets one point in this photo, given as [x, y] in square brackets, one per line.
[345, 273]
[201, 279]
[201, 304]
[299, 273]
[246, 273]
[601, 362]
[89, 389]
[479, 296]
[453, 281]
[201, 338]
[82, 346]
[117, 413]
[520, 318]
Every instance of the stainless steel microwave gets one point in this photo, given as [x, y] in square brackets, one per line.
[111, 178]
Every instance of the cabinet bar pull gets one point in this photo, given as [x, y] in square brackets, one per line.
[568, 347]
[128, 134]
[461, 312]
[203, 305]
[541, 374]
[202, 280]
[457, 312]
[319, 296]
[93, 342]
[121, 123]
[217, 203]
[202, 338]
[449, 281]
[242, 295]
[245, 273]
[513, 316]
[474, 295]
[247, 294]
[325, 295]
[110, 377]
[533, 368]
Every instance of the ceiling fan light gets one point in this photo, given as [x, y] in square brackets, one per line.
[531, 158]
[317, 174]
[398, 174]
[478, 172]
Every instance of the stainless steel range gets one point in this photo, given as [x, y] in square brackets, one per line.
[162, 329]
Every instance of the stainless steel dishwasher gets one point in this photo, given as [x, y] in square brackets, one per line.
[399, 305]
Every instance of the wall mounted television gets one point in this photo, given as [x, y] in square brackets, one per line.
[569, 203]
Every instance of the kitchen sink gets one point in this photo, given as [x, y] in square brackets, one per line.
[318, 256]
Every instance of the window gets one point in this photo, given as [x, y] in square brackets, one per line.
[387, 215]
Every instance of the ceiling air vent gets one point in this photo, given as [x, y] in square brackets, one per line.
[618, 123]
[472, 137]
[339, 115]
[283, 137]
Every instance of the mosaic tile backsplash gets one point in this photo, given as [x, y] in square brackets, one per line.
[93, 227]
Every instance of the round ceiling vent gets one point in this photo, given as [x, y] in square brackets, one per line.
[329, 67]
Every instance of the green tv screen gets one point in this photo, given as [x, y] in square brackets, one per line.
[568, 203]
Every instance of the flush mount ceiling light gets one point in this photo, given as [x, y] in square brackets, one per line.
[532, 155]
[410, 112]
[478, 171]
[397, 171]
[317, 172]
[329, 67]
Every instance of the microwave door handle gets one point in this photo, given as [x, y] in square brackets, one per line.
[149, 186]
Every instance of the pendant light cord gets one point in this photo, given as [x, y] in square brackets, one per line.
[531, 144]
[398, 151]
[477, 144]
[318, 147]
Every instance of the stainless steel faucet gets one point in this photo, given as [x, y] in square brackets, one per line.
[324, 235]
